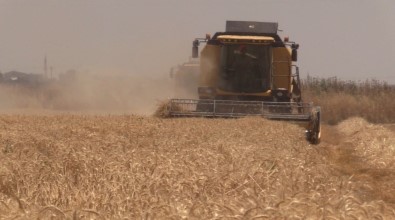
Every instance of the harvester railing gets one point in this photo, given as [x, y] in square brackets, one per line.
[234, 109]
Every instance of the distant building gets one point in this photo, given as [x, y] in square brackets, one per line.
[15, 77]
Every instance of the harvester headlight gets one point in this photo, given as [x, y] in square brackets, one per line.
[280, 92]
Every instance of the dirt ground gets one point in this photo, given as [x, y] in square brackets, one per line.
[74, 166]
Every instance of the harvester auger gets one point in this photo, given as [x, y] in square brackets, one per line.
[248, 70]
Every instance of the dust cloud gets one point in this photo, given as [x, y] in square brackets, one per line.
[88, 93]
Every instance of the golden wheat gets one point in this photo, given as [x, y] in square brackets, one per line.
[116, 167]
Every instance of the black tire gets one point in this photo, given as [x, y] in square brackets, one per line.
[313, 134]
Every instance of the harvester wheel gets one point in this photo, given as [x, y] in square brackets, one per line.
[313, 133]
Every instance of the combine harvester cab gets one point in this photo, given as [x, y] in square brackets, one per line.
[248, 70]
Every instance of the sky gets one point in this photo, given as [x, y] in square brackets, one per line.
[349, 39]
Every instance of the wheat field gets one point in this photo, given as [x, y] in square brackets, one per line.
[141, 167]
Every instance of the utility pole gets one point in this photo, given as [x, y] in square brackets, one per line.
[45, 67]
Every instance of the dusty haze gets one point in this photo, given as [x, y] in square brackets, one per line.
[87, 93]
[124, 50]
[349, 39]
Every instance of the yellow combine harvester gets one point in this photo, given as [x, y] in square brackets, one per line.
[249, 70]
